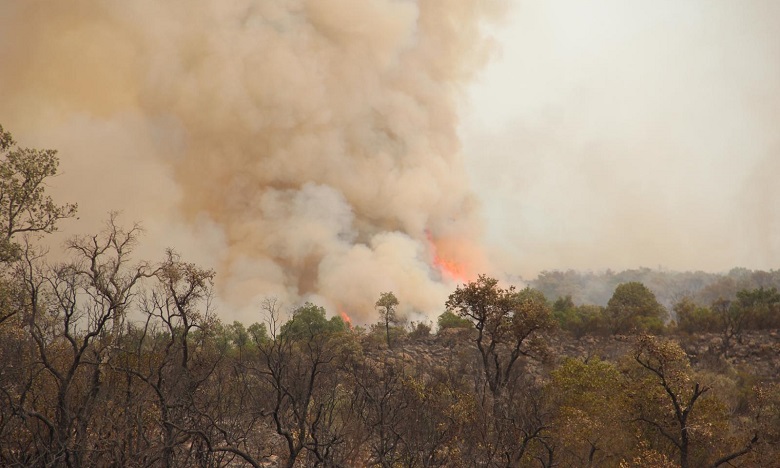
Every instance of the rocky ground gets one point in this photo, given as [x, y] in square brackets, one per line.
[756, 354]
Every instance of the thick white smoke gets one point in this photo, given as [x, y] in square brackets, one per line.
[304, 148]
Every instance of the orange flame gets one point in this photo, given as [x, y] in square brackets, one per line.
[345, 318]
[447, 267]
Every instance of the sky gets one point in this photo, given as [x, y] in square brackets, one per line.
[619, 134]
[332, 150]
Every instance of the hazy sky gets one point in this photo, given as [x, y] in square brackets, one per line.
[331, 150]
[614, 133]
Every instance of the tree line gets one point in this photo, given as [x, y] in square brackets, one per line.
[669, 287]
[107, 360]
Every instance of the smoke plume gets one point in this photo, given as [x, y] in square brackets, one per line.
[306, 149]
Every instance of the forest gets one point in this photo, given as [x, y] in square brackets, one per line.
[109, 360]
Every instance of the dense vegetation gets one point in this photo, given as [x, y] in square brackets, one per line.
[110, 361]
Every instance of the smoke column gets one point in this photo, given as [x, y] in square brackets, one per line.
[306, 149]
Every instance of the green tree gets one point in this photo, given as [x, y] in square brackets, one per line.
[449, 320]
[386, 305]
[589, 320]
[732, 321]
[258, 333]
[24, 209]
[419, 330]
[633, 307]
[309, 320]
[24, 205]
[579, 320]
[299, 383]
[692, 318]
[761, 306]
[6, 139]
[239, 336]
[563, 306]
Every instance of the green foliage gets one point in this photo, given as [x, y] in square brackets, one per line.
[579, 320]
[239, 335]
[449, 320]
[761, 306]
[633, 308]
[590, 320]
[386, 305]
[420, 330]
[217, 334]
[6, 139]
[531, 312]
[309, 320]
[668, 286]
[323, 398]
[563, 304]
[753, 309]
[379, 333]
[596, 288]
[692, 318]
[258, 333]
[24, 205]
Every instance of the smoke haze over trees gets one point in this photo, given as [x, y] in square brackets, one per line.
[668, 286]
[300, 147]
[109, 359]
[306, 187]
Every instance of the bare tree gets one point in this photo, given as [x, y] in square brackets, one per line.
[172, 361]
[297, 366]
[67, 313]
[668, 365]
[382, 407]
[508, 324]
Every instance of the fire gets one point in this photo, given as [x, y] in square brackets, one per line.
[345, 318]
[448, 267]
